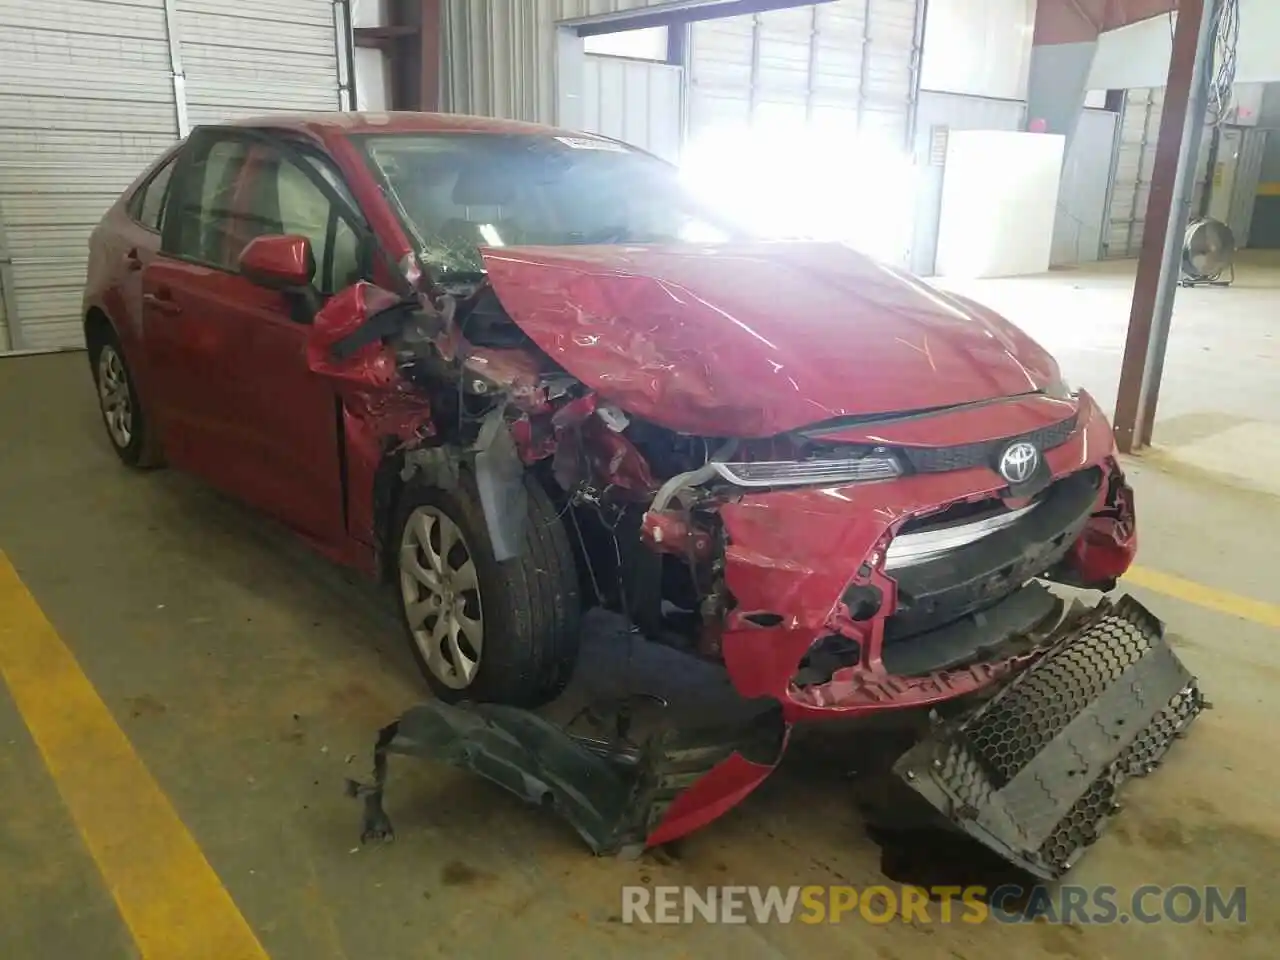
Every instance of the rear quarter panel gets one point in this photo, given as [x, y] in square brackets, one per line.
[110, 286]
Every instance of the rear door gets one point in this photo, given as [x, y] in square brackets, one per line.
[123, 243]
[244, 410]
[187, 290]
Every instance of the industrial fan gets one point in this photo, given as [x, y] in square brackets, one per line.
[1208, 251]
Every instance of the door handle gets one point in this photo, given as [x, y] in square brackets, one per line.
[162, 302]
[132, 261]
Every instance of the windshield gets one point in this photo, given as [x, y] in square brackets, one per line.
[459, 191]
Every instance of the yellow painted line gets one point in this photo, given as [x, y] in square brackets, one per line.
[1269, 189]
[1221, 601]
[175, 906]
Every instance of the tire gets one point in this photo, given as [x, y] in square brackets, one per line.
[128, 428]
[527, 609]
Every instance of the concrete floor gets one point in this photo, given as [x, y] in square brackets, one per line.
[1219, 407]
[246, 671]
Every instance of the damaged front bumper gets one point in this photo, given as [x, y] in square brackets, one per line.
[813, 570]
[1032, 773]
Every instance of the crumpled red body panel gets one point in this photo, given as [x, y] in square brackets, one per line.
[377, 399]
[719, 790]
[378, 405]
[755, 340]
[343, 315]
[793, 553]
[1109, 543]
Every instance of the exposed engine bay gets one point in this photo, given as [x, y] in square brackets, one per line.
[644, 502]
[838, 567]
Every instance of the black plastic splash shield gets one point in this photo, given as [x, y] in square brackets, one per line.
[613, 778]
[614, 800]
[1033, 773]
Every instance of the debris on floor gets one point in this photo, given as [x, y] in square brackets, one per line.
[650, 743]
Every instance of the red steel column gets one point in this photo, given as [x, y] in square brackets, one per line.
[412, 45]
[429, 52]
[1159, 207]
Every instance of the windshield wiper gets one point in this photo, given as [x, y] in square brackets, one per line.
[870, 419]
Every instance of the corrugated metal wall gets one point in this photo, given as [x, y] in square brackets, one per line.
[634, 101]
[245, 57]
[500, 55]
[847, 64]
[88, 98]
[86, 101]
[888, 80]
[848, 58]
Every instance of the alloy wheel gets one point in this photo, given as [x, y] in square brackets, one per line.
[440, 589]
[113, 394]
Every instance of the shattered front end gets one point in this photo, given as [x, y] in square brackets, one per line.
[745, 581]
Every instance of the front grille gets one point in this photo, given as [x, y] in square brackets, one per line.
[969, 455]
[975, 575]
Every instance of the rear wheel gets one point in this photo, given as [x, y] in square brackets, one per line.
[127, 426]
[479, 629]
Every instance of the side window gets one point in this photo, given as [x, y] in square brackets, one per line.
[203, 206]
[147, 204]
[285, 200]
[153, 201]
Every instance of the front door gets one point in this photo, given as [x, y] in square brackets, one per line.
[241, 408]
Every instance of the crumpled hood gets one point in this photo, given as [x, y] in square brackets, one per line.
[753, 340]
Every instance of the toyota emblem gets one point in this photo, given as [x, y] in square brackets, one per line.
[1019, 461]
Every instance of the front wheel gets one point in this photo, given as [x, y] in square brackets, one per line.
[479, 629]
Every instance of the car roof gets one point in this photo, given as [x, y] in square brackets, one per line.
[338, 123]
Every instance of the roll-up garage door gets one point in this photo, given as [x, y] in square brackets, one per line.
[1135, 164]
[86, 101]
[92, 90]
[845, 65]
[245, 57]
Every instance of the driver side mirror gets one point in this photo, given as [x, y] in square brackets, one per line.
[280, 262]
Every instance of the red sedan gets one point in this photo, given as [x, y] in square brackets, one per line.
[509, 366]
[519, 372]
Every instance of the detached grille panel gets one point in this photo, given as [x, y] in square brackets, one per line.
[1035, 772]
